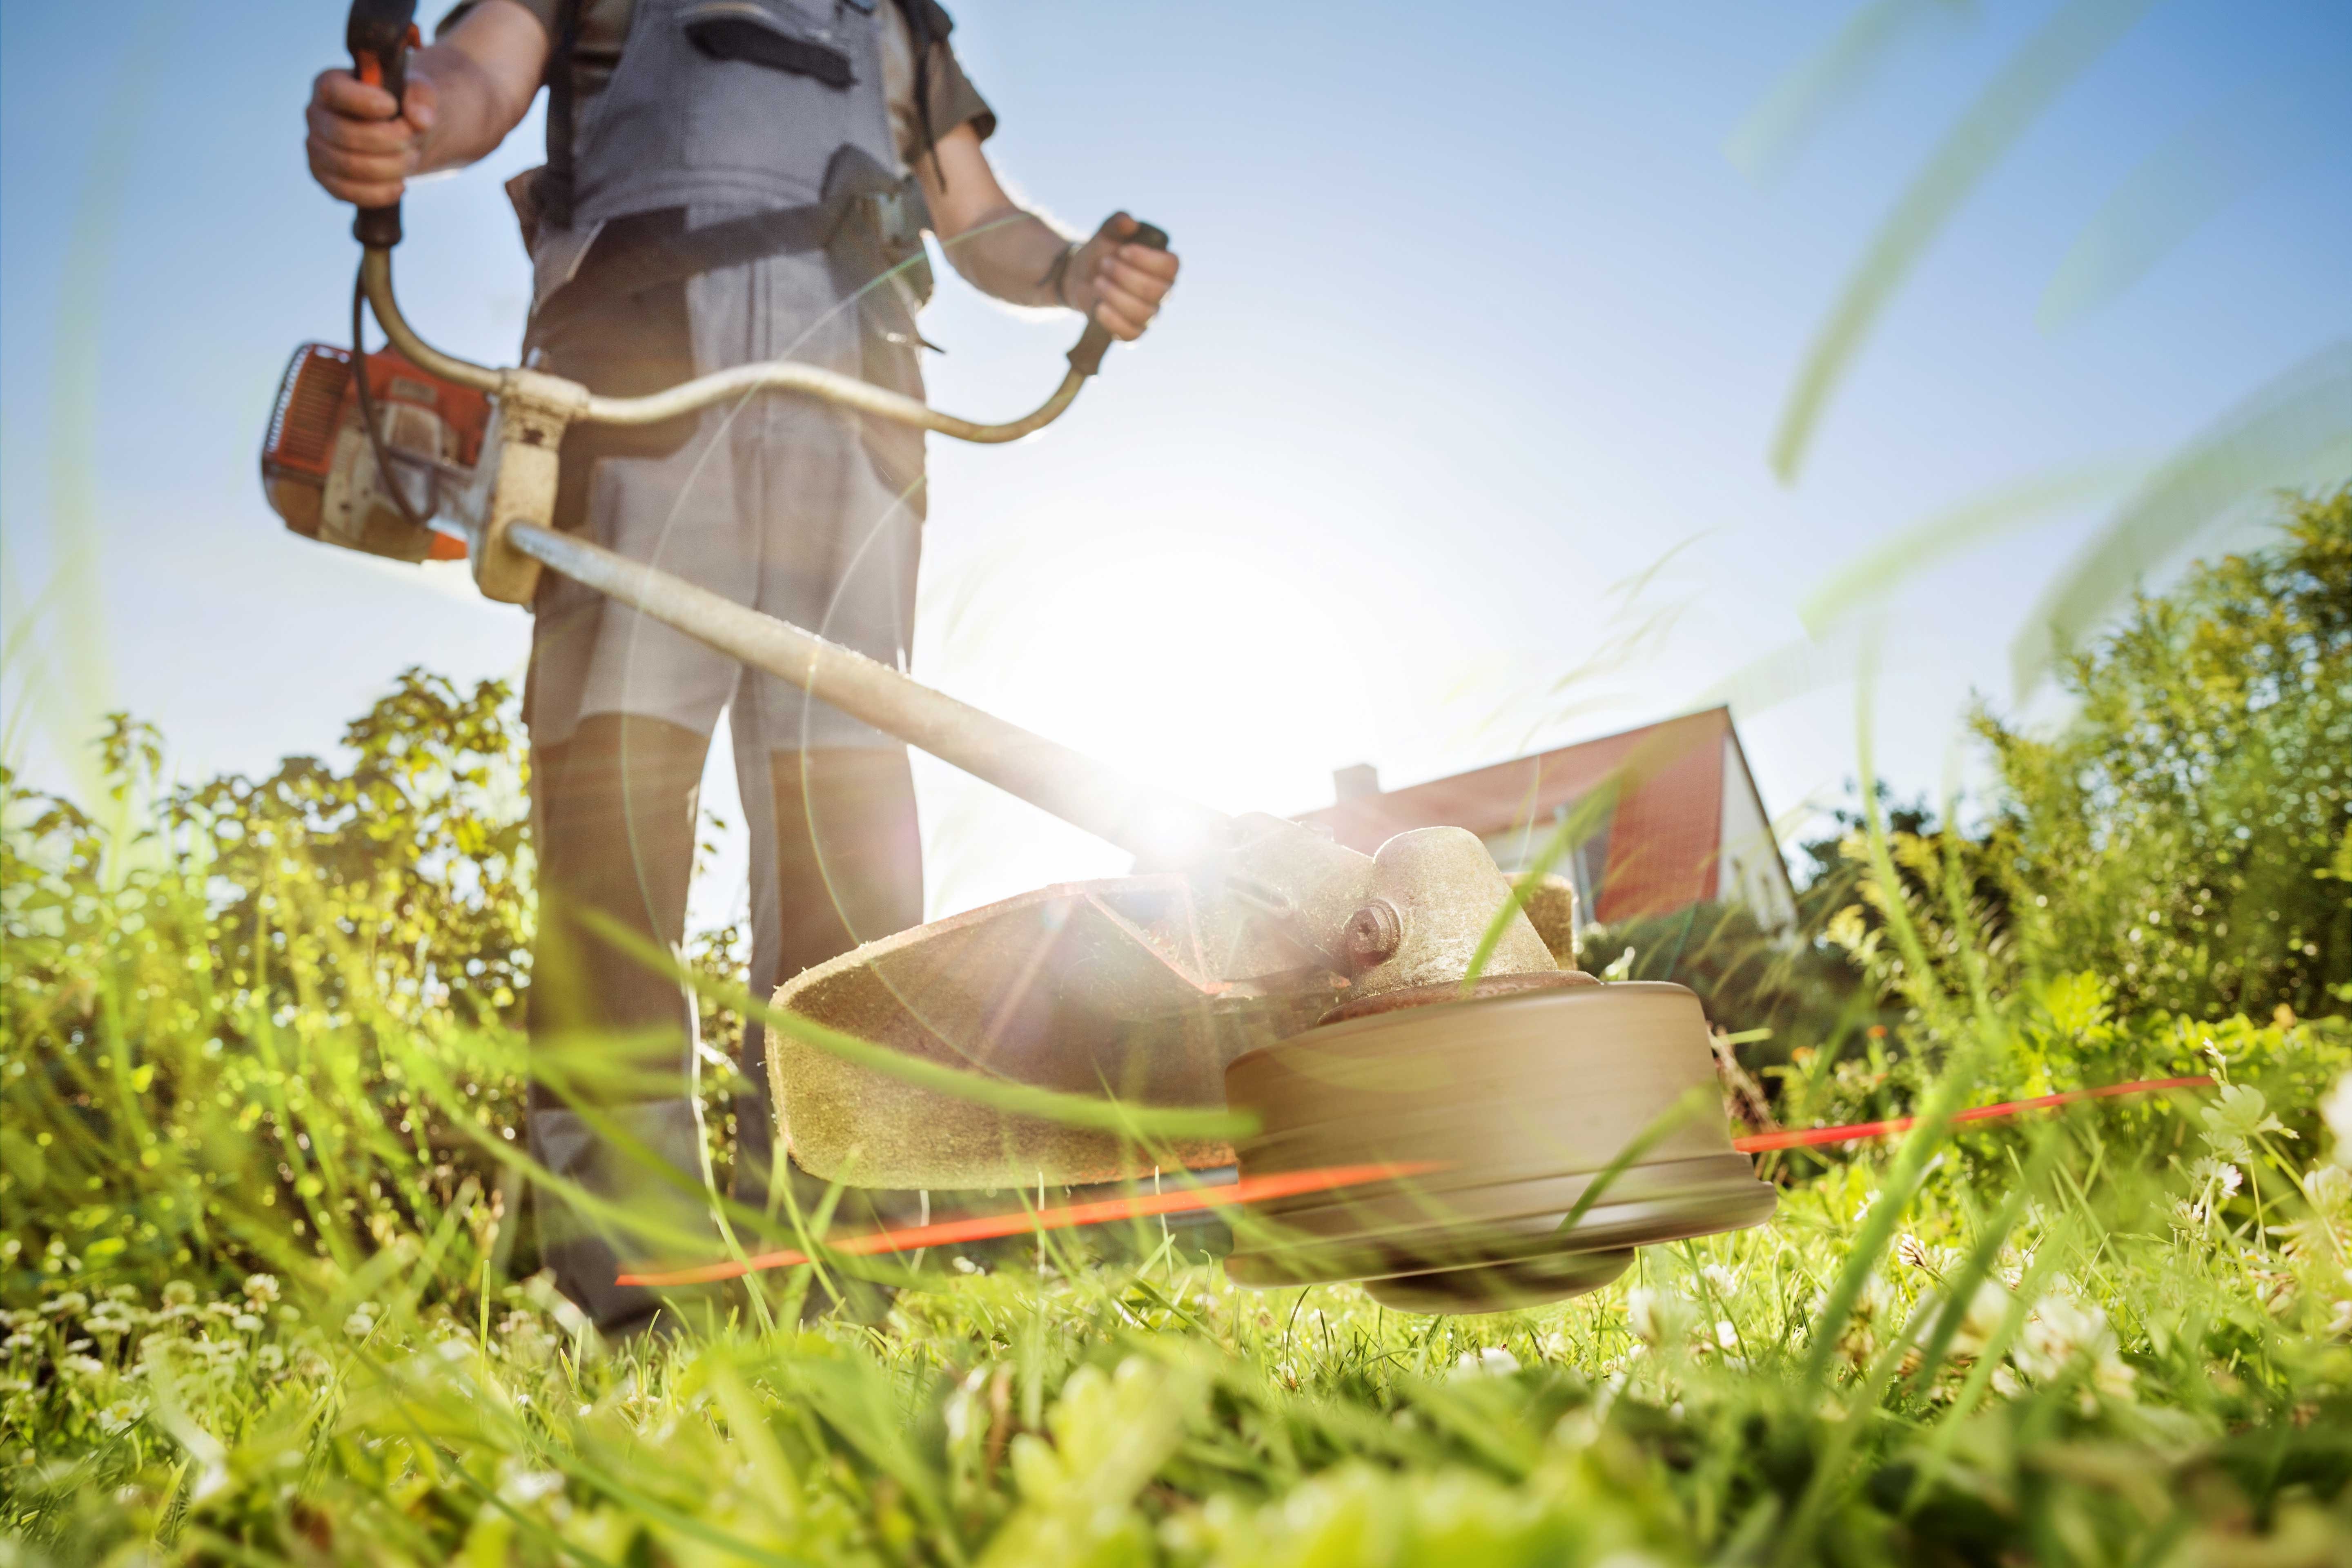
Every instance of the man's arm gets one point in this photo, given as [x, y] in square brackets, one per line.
[1019, 257]
[465, 93]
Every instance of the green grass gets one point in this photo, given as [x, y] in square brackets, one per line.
[271, 1294]
[2123, 1387]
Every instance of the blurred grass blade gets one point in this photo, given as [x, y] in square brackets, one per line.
[2296, 428]
[1582, 821]
[1769, 139]
[1691, 1104]
[1793, 669]
[2180, 187]
[2028, 83]
[76, 532]
[1977, 521]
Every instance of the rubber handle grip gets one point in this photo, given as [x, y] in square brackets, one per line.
[1087, 356]
[379, 33]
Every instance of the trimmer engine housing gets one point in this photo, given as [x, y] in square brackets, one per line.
[318, 467]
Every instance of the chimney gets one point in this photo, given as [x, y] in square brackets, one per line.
[1354, 781]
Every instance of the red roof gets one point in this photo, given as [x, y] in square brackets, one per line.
[1663, 836]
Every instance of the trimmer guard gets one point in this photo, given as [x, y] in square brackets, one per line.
[1089, 988]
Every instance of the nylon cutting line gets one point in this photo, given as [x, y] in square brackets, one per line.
[1291, 1183]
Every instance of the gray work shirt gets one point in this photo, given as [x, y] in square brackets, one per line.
[604, 24]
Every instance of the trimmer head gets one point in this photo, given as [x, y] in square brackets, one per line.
[1510, 1109]
[1536, 1096]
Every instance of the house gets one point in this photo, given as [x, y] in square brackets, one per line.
[1684, 826]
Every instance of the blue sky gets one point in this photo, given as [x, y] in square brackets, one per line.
[1479, 322]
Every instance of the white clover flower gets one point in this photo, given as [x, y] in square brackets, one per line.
[2335, 1110]
[1492, 1361]
[245, 1323]
[81, 1365]
[262, 1290]
[1981, 1321]
[2059, 1332]
[359, 1325]
[526, 1340]
[18, 1341]
[527, 1487]
[270, 1358]
[72, 1304]
[2206, 1171]
[1658, 1317]
[1725, 1280]
[179, 1293]
[120, 1415]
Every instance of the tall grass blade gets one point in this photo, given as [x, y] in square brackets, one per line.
[2296, 427]
[2200, 171]
[1777, 128]
[2028, 83]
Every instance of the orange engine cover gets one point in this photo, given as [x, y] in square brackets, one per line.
[315, 431]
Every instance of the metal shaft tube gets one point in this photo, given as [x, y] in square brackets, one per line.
[1150, 822]
[776, 375]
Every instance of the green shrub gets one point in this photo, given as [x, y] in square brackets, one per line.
[230, 1011]
[2188, 833]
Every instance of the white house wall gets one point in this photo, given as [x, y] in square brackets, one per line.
[1749, 869]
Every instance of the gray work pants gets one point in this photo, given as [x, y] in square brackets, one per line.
[772, 502]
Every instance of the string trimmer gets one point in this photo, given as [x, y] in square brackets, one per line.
[1518, 1127]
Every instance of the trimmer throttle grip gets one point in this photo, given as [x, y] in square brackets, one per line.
[1086, 358]
[379, 33]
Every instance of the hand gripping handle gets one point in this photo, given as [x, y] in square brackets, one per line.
[1086, 358]
[380, 33]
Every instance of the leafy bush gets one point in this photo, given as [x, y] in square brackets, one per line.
[228, 1011]
[2189, 834]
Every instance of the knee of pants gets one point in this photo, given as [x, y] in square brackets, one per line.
[848, 852]
[614, 808]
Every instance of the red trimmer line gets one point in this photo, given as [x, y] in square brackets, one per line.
[1290, 1184]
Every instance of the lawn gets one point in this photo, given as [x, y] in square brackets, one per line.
[271, 1294]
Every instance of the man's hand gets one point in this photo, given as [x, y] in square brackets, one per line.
[465, 91]
[362, 146]
[1017, 256]
[1117, 284]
